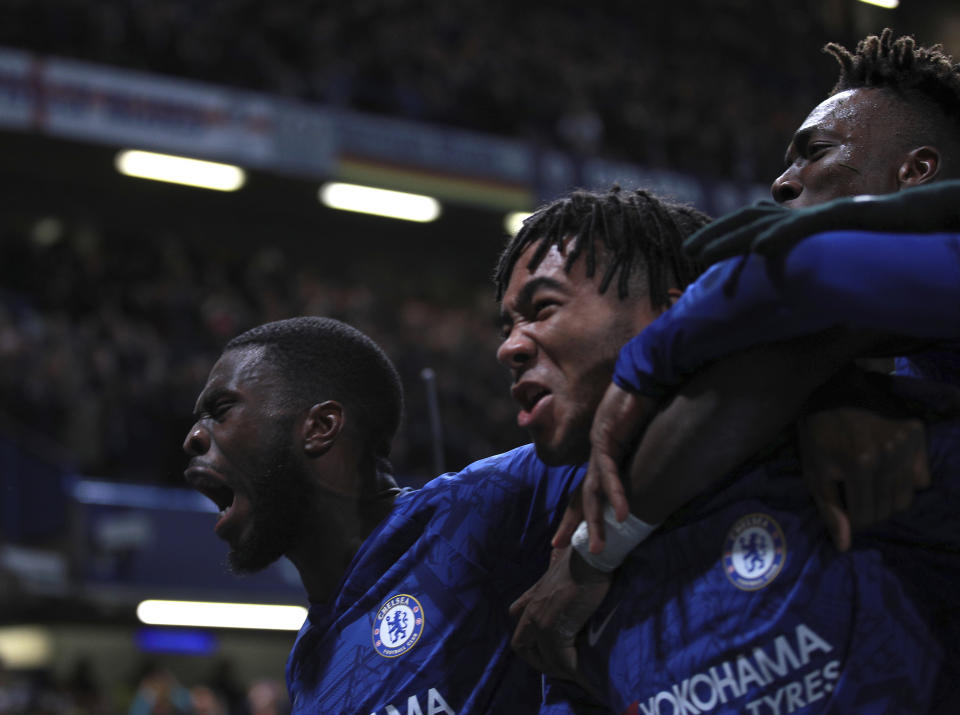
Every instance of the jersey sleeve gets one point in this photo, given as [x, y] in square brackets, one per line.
[501, 512]
[904, 285]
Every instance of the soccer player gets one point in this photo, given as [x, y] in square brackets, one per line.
[409, 590]
[739, 603]
[890, 122]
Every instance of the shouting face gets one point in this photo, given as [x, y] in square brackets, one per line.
[561, 337]
[243, 456]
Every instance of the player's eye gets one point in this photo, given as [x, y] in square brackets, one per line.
[543, 309]
[219, 409]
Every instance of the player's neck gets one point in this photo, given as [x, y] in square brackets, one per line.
[336, 530]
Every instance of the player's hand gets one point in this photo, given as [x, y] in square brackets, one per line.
[554, 610]
[768, 228]
[618, 423]
[733, 234]
[861, 467]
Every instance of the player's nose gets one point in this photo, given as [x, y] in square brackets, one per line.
[197, 441]
[517, 349]
[786, 187]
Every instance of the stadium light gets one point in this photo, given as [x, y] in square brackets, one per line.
[514, 220]
[180, 170]
[204, 614]
[379, 202]
[25, 647]
[888, 4]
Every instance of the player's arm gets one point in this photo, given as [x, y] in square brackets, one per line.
[770, 228]
[901, 285]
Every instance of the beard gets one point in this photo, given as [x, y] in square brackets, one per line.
[280, 499]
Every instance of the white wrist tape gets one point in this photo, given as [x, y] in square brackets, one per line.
[622, 537]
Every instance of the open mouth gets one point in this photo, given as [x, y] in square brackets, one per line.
[214, 488]
[222, 496]
[528, 394]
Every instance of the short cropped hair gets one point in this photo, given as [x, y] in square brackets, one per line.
[639, 234]
[321, 359]
[924, 78]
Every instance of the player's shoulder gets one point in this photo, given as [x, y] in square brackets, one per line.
[513, 481]
[518, 463]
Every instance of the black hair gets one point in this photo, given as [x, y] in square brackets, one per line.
[925, 78]
[640, 234]
[323, 359]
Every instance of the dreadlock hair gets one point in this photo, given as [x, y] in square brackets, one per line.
[639, 234]
[323, 359]
[924, 78]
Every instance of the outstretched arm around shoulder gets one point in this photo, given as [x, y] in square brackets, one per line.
[901, 285]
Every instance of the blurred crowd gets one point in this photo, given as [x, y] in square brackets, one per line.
[155, 689]
[710, 88]
[106, 339]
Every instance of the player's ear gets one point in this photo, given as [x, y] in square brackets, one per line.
[919, 166]
[321, 427]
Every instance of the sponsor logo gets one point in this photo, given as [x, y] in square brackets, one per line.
[398, 625]
[593, 634]
[435, 705]
[787, 674]
[754, 552]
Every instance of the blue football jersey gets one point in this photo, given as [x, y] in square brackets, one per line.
[420, 623]
[741, 605]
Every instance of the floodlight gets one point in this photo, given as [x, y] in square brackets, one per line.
[379, 202]
[180, 170]
[205, 614]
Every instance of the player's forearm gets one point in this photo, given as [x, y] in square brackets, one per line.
[725, 414]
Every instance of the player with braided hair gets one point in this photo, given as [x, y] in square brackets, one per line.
[613, 218]
[562, 323]
[925, 75]
[892, 121]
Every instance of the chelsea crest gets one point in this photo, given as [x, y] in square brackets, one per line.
[754, 552]
[398, 625]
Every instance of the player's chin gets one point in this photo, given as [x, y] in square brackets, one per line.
[557, 448]
[253, 555]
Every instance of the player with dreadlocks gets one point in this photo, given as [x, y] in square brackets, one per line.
[892, 121]
[562, 324]
[616, 219]
[740, 603]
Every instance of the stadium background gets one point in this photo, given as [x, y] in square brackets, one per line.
[116, 294]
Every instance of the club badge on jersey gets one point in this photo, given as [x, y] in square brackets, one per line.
[398, 625]
[754, 552]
